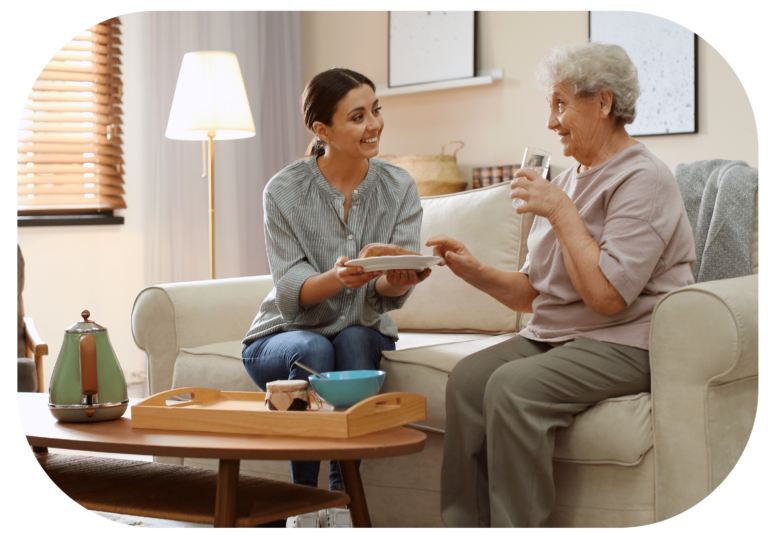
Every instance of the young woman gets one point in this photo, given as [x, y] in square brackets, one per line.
[320, 212]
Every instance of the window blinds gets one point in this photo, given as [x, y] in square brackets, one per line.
[69, 149]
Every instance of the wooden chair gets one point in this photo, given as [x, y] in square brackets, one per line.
[36, 349]
[29, 342]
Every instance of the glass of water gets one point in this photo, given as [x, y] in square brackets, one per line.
[538, 160]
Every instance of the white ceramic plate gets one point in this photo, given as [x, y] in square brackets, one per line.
[396, 262]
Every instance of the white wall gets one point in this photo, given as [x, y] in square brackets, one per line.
[99, 268]
[496, 122]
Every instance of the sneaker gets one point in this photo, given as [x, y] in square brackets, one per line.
[335, 518]
[310, 520]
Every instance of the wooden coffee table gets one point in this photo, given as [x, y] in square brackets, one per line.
[226, 498]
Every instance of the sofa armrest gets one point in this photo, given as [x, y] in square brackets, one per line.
[703, 351]
[168, 317]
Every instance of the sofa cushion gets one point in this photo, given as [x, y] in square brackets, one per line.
[486, 223]
[419, 339]
[425, 371]
[219, 365]
[616, 431]
[216, 366]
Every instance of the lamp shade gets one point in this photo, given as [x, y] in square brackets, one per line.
[210, 97]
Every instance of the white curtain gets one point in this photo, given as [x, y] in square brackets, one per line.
[268, 48]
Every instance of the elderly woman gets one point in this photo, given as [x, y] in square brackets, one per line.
[609, 238]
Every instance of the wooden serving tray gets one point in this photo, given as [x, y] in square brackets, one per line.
[238, 412]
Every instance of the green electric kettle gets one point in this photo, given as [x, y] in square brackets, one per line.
[87, 384]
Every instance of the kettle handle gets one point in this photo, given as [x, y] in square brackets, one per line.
[89, 375]
[442, 149]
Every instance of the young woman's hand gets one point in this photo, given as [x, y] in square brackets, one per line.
[406, 278]
[353, 276]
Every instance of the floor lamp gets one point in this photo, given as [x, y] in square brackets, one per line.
[210, 104]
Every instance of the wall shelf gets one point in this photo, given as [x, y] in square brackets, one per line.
[485, 77]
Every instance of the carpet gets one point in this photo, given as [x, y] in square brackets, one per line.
[149, 522]
[154, 523]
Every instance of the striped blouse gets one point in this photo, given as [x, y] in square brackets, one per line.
[305, 234]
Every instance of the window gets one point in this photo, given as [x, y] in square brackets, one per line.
[70, 165]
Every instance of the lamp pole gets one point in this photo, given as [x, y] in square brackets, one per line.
[205, 79]
[211, 218]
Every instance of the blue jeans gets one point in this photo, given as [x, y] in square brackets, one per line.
[271, 358]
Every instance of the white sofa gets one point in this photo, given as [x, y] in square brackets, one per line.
[628, 461]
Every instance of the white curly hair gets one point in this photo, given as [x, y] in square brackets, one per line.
[590, 68]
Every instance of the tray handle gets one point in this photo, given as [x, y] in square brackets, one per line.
[386, 401]
[198, 394]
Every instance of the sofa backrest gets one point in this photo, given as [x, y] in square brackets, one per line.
[485, 221]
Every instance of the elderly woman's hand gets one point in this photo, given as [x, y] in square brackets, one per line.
[457, 256]
[540, 196]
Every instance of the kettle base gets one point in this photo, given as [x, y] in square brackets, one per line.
[97, 414]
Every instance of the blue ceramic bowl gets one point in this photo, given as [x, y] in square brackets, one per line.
[344, 389]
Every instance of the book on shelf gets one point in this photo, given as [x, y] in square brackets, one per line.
[476, 181]
[485, 177]
[496, 174]
[490, 175]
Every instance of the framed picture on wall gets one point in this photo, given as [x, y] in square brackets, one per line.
[431, 46]
[665, 55]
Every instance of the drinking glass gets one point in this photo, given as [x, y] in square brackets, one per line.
[536, 159]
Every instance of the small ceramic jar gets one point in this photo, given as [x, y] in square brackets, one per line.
[287, 395]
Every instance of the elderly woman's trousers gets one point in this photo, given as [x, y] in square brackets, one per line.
[503, 407]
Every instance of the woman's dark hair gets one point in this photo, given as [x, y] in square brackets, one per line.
[321, 99]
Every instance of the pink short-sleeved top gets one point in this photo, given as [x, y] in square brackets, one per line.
[632, 208]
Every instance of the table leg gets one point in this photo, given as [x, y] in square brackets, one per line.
[226, 493]
[353, 486]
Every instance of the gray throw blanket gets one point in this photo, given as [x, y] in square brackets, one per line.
[719, 197]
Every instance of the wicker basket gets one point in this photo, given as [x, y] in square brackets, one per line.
[434, 175]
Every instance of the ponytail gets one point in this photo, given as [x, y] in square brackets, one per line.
[315, 148]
